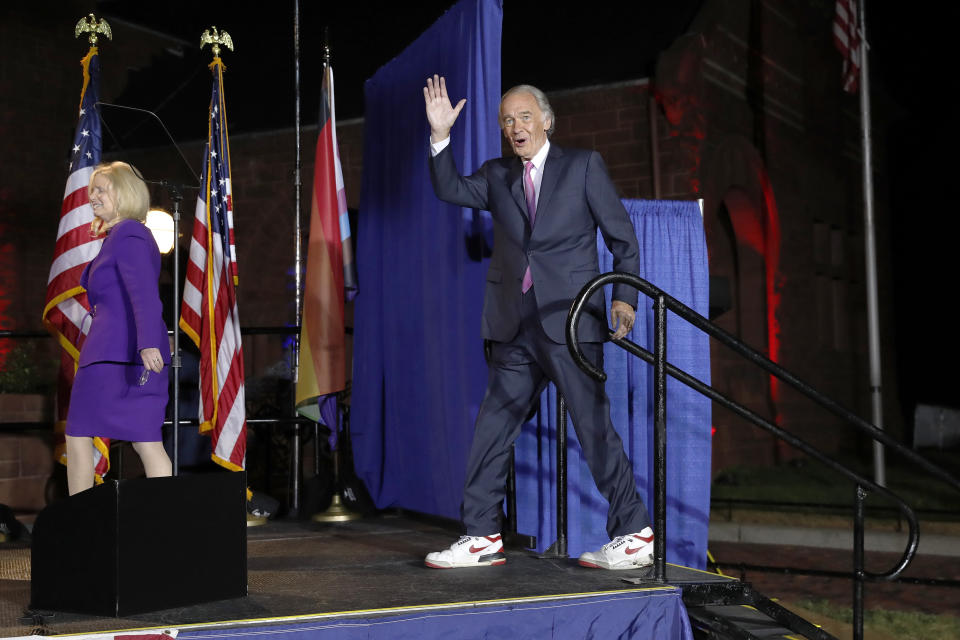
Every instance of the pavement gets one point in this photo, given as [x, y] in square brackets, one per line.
[825, 548]
[831, 538]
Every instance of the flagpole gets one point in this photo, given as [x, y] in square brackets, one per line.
[212, 318]
[297, 185]
[297, 268]
[63, 286]
[337, 511]
[873, 319]
[176, 196]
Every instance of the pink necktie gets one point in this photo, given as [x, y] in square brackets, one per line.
[531, 194]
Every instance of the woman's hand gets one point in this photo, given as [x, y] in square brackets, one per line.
[152, 359]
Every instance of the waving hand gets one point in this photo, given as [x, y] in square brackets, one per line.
[441, 114]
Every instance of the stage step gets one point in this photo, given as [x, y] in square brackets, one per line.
[736, 621]
[734, 611]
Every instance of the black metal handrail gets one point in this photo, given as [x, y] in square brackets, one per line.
[662, 302]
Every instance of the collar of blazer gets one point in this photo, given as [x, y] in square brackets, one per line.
[547, 183]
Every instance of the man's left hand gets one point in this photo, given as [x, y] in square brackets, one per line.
[622, 315]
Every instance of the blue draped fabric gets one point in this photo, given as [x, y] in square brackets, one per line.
[419, 371]
[674, 258]
[631, 615]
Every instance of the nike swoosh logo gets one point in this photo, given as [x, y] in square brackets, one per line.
[645, 540]
[492, 540]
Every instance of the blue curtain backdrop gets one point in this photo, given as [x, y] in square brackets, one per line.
[674, 258]
[419, 371]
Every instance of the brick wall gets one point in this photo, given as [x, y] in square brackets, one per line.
[26, 460]
[613, 120]
[776, 134]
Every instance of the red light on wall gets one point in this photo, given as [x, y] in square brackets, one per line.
[7, 274]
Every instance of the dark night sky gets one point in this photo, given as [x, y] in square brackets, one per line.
[911, 51]
[619, 42]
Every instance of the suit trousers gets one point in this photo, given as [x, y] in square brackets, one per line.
[518, 372]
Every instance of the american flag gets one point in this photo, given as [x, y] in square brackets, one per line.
[66, 303]
[330, 276]
[209, 313]
[846, 36]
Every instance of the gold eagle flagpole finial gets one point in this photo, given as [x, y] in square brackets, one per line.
[216, 39]
[90, 25]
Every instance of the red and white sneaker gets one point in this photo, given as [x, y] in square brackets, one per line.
[631, 551]
[469, 551]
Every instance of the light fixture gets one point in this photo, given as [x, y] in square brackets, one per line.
[160, 224]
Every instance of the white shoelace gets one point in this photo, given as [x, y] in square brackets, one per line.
[614, 542]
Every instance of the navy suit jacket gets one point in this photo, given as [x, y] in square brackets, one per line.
[121, 284]
[576, 197]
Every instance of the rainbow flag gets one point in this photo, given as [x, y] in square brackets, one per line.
[330, 276]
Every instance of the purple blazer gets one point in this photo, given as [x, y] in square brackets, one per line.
[121, 284]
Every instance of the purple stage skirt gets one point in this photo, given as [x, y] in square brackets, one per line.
[107, 401]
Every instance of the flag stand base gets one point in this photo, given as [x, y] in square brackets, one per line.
[255, 521]
[336, 512]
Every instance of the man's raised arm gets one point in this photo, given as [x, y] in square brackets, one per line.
[441, 114]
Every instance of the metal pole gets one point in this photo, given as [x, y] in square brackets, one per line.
[316, 449]
[561, 476]
[297, 189]
[660, 438]
[175, 360]
[295, 364]
[858, 567]
[512, 494]
[873, 315]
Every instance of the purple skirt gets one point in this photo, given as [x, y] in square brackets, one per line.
[108, 401]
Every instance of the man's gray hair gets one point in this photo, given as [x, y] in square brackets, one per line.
[541, 99]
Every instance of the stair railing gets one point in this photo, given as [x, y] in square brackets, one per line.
[661, 368]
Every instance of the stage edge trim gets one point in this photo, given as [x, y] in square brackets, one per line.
[386, 610]
[709, 573]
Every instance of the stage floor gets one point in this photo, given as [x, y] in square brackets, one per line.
[303, 570]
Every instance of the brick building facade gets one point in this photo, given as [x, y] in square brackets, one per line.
[747, 114]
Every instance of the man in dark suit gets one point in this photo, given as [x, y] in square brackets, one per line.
[546, 204]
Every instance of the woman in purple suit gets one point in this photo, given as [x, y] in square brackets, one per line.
[120, 390]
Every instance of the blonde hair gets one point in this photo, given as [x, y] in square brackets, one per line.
[127, 188]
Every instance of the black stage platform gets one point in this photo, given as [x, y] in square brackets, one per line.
[306, 571]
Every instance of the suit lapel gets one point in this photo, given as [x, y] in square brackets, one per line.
[551, 174]
[516, 186]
